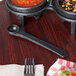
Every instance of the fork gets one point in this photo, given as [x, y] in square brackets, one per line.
[29, 67]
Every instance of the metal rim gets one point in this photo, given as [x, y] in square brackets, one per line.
[25, 14]
[18, 7]
[59, 10]
[58, 5]
[64, 18]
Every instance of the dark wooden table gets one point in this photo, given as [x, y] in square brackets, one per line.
[49, 27]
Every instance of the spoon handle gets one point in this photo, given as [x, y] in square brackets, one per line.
[62, 53]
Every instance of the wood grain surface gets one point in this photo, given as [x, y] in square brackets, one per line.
[49, 27]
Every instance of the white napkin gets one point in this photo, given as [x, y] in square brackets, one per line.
[18, 70]
[1, 0]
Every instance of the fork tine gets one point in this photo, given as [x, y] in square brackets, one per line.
[25, 65]
[33, 65]
[28, 66]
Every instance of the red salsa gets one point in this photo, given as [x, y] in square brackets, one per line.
[26, 3]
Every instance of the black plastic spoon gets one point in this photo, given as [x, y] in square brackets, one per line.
[16, 31]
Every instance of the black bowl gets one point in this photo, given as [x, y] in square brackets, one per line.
[26, 9]
[62, 12]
